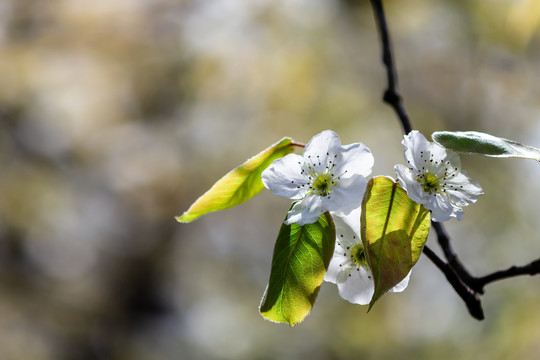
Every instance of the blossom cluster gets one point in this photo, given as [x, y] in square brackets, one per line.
[330, 177]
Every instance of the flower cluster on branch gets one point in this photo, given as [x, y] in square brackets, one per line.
[364, 235]
[332, 177]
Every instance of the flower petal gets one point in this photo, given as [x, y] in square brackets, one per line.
[347, 235]
[314, 181]
[333, 270]
[442, 209]
[354, 159]
[283, 177]
[306, 211]
[445, 166]
[408, 182]
[347, 195]
[439, 155]
[318, 149]
[416, 149]
[359, 287]
[402, 285]
[348, 225]
[447, 189]
[464, 190]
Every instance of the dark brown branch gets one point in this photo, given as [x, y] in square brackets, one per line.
[477, 284]
[455, 273]
[452, 258]
[530, 269]
[469, 296]
[467, 286]
[391, 95]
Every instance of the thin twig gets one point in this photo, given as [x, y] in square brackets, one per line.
[478, 284]
[453, 260]
[457, 276]
[391, 95]
[467, 286]
[471, 299]
[532, 268]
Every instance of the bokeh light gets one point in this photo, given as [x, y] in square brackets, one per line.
[116, 115]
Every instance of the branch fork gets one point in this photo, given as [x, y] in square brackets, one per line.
[467, 286]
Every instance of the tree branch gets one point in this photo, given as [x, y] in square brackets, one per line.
[469, 296]
[452, 258]
[477, 284]
[467, 286]
[391, 95]
[532, 268]
[455, 273]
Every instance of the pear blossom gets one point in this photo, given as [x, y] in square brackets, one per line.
[327, 177]
[348, 267]
[434, 179]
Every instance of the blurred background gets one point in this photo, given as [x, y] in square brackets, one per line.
[116, 115]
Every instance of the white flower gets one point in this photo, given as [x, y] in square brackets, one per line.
[433, 178]
[349, 268]
[328, 177]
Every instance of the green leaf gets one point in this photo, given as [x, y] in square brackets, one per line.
[239, 185]
[300, 260]
[474, 142]
[394, 230]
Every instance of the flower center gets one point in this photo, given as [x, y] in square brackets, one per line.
[323, 184]
[358, 255]
[430, 183]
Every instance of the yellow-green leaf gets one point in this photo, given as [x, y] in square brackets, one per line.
[394, 230]
[301, 257]
[239, 185]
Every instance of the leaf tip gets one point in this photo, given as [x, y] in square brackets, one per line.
[372, 302]
[276, 320]
[185, 218]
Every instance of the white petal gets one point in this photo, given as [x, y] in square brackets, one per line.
[426, 157]
[457, 213]
[445, 167]
[347, 195]
[344, 275]
[306, 211]
[453, 158]
[354, 159]
[347, 232]
[283, 177]
[402, 285]
[358, 288]
[347, 235]
[408, 181]
[319, 148]
[416, 149]
[464, 191]
[348, 225]
[440, 155]
[322, 142]
[333, 270]
[442, 209]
